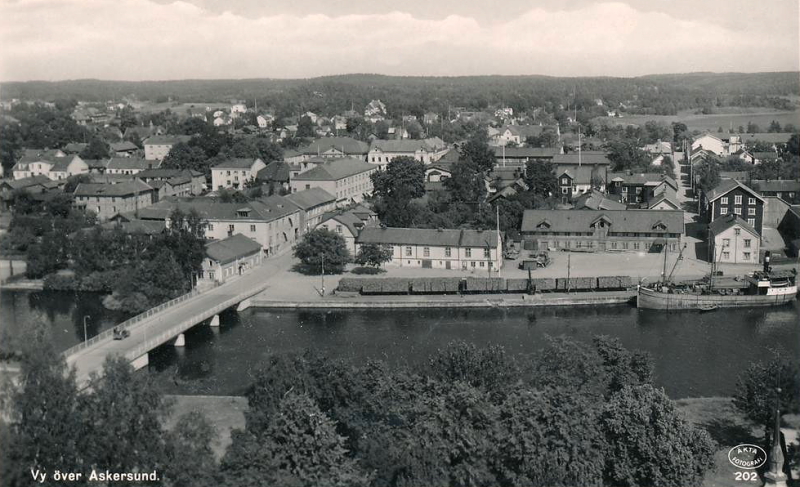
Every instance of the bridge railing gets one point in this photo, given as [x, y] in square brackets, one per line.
[131, 321]
[173, 331]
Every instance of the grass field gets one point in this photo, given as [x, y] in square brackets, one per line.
[712, 123]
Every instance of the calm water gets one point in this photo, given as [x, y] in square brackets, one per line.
[695, 354]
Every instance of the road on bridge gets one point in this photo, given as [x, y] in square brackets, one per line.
[91, 359]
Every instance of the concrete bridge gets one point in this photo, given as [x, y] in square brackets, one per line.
[166, 323]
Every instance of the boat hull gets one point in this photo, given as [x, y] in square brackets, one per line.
[650, 299]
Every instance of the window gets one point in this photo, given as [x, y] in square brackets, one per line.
[747, 243]
[724, 200]
[211, 274]
[308, 186]
[408, 251]
[624, 189]
[483, 264]
[738, 199]
[613, 245]
[472, 264]
[635, 245]
[448, 251]
[746, 256]
[723, 211]
[564, 190]
[426, 251]
[738, 210]
[487, 254]
[338, 229]
[490, 264]
[252, 228]
[751, 211]
[210, 227]
[726, 242]
[726, 255]
[751, 201]
[751, 221]
[737, 231]
[564, 181]
[468, 252]
[230, 228]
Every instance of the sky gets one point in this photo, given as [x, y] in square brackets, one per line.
[212, 39]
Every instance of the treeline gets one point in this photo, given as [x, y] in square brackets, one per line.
[578, 414]
[662, 94]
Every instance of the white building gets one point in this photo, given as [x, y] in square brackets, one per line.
[158, 146]
[233, 173]
[381, 152]
[473, 250]
[733, 241]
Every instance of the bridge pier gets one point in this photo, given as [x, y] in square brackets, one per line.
[141, 362]
[214, 321]
[180, 341]
[244, 305]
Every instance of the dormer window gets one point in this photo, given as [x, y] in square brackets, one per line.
[243, 213]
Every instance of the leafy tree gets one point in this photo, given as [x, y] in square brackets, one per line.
[756, 391]
[774, 126]
[127, 118]
[466, 184]
[489, 368]
[708, 175]
[394, 188]
[300, 447]
[184, 156]
[305, 127]
[373, 255]
[626, 155]
[476, 152]
[323, 247]
[381, 129]
[227, 195]
[97, 149]
[753, 128]
[74, 181]
[649, 442]
[42, 411]
[189, 458]
[194, 126]
[124, 406]
[415, 130]
[135, 139]
[541, 178]
[358, 128]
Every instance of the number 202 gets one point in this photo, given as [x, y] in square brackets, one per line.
[746, 476]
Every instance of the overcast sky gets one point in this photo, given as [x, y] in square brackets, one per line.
[163, 39]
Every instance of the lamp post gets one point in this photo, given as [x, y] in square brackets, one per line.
[85, 335]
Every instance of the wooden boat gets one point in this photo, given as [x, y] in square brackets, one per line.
[762, 288]
[709, 308]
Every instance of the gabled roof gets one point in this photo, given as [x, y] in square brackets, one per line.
[595, 200]
[123, 146]
[766, 156]
[641, 221]
[408, 145]
[524, 152]
[348, 145]
[166, 139]
[335, 169]
[131, 163]
[647, 179]
[311, 198]
[167, 173]
[776, 185]
[275, 171]
[585, 157]
[62, 163]
[236, 163]
[142, 227]
[721, 224]
[663, 197]
[264, 209]
[348, 219]
[579, 174]
[523, 131]
[726, 186]
[425, 236]
[27, 182]
[768, 137]
[232, 248]
[126, 188]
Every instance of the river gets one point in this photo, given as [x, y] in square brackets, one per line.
[695, 354]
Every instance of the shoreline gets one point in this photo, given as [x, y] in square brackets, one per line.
[23, 285]
[452, 301]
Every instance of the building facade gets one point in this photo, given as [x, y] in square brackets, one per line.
[732, 240]
[733, 197]
[158, 146]
[234, 173]
[347, 179]
[229, 258]
[473, 250]
[381, 152]
[108, 200]
[603, 230]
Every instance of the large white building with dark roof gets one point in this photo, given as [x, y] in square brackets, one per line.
[347, 179]
[602, 230]
[158, 146]
[381, 152]
[235, 172]
[477, 250]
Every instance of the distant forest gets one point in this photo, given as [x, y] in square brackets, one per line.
[655, 94]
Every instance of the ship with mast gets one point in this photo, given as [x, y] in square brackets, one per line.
[761, 288]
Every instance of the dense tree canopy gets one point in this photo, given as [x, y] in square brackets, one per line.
[323, 248]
